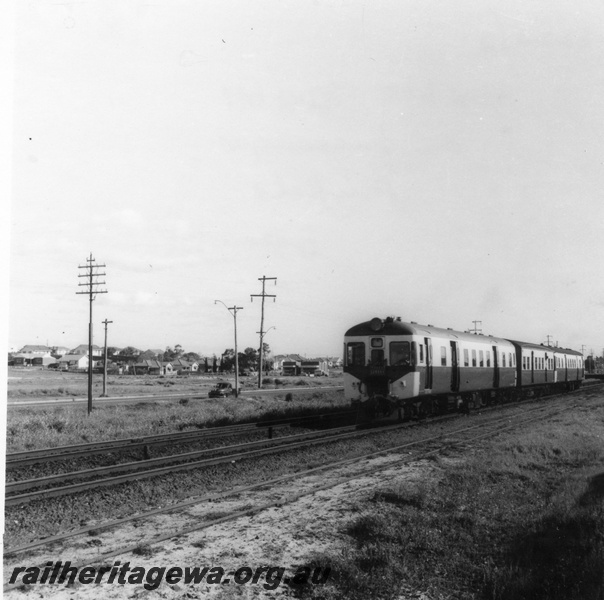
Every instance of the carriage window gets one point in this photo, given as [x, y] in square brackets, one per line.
[400, 353]
[473, 358]
[511, 363]
[421, 353]
[481, 359]
[488, 358]
[443, 356]
[503, 359]
[355, 353]
[466, 358]
[377, 343]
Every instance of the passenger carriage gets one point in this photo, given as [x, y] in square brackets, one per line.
[397, 369]
[545, 369]
[392, 366]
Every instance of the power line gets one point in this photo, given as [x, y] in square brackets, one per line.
[91, 290]
[261, 332]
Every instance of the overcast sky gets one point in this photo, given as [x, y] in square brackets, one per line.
[434, 160]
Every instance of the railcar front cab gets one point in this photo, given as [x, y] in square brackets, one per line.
[380, 359]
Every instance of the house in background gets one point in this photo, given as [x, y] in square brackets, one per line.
[43, 361]
[58, 351]
[73, 362]
[180, 365]
[35, 350]
[30, 353]
[147, 366]
[83, 349]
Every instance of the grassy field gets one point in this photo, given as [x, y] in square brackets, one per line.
[35, 382]
[520, 517]
[32, 428]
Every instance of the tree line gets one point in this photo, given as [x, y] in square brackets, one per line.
[248, 359]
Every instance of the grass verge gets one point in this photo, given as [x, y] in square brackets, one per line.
[521, 518]
[29, 429]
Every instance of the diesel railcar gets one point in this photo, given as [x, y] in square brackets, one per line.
[404, 370]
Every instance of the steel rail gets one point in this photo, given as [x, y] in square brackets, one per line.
[235, 451]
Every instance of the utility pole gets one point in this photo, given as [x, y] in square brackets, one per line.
[105, 361]
[233, 310]
[476, 331]
[262, 336]
[263, 296]
[91, 290]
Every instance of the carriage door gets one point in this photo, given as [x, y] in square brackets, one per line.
[495, 367]
[454, 367]
[428, 343]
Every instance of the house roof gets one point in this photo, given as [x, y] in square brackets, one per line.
[148, 362]
[70, 357]
[83, 349]
[184, 363]
[34, 348]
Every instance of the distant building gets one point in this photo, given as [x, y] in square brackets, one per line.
[83, 349]
[73, 362]
[59, 351]
[35, 350]
[185, 366]
[314, 367]
[291, 367]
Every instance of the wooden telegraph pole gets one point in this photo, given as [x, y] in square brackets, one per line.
[91, 275]
[263, 296]
[233, 310]
[105, 322]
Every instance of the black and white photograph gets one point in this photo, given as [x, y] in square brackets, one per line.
[304, 299]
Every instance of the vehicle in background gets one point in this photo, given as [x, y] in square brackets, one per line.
[222, 390]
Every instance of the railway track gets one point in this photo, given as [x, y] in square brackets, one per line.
[347, 468]
[15, 460]
[29, 490]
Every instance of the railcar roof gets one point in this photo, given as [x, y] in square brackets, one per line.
[544, 347]
[392, 326]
